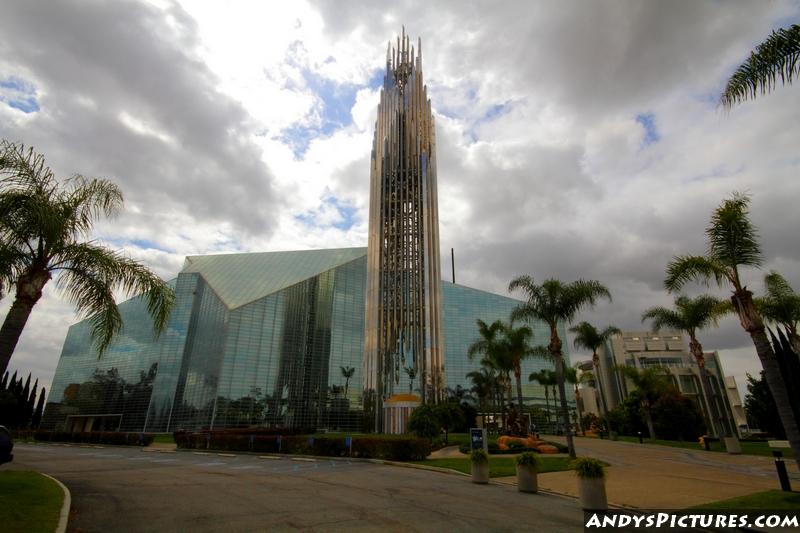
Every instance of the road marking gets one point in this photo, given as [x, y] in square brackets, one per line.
[163, 460]
[107, 455]
[138, 458]
[226, 455]
[308, 459]
[201, 453]
[269, 457]
[216, 463]
[248, 467]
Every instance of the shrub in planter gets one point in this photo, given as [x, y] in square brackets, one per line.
[527, 466]
[591, 483]
[479, 466]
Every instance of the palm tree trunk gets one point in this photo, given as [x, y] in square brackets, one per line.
[558, 358]
[578, 402]
[649, 419]
[751, 321]
[599, 382]
[547, 404]
[518, 376]
[706, 389]
[29, 291]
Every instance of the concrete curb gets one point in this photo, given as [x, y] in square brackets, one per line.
[63, 516]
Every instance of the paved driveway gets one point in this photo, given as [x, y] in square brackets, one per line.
[125, 489]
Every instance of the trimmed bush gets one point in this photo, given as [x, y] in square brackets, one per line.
[478, 456]
[528, 459]
[399, 448]
[589, 468]
[96, 437]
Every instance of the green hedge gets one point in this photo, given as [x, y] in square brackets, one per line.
[396, 448]
[96, 437]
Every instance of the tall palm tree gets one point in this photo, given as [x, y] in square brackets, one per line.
[347, 373]
[516, 342]
[651, 382]
[43, 227]
[733, 244]
[777, 57]
[588, 337]
[552, 302]
[781, 305]
[546, 378]
[689, 316]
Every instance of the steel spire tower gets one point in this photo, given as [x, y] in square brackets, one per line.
[403, 307]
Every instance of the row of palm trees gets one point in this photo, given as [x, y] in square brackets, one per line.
[732, 245]
[504, 345]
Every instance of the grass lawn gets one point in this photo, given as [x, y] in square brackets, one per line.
[748, 447]
[29, 502]
[771, 499]
[164, 438]
[498, 466]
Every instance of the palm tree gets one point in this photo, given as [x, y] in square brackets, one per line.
[490, 346]
[516, 342]
[588, 337]
[411, 372]
[651, 382]
[781, 305]
[546, 378]
[347, 373]
[777, 57]
[553, 302]
[481, 384]
[691, 315]
[43, 224]
[732, 244]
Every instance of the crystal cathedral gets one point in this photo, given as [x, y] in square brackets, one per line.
[315, 339]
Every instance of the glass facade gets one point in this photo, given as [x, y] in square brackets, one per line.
[288, 355]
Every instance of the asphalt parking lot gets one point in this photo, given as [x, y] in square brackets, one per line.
[127, 489]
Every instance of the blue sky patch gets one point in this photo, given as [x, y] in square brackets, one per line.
[346, 212]
[648, 122]
[19, 94]
[336, 100]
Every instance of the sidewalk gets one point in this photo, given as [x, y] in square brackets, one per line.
[659, 477]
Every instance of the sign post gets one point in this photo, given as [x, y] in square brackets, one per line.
[478, 440]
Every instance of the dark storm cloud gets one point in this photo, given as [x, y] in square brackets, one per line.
[97, 65]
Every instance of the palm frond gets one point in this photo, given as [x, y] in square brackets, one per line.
[86, 200]
[662, 317]
[775, 58]
[686, 268]
[88, 267]
[732, 238]
[777, 286]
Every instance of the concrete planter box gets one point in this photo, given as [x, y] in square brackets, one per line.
[732, 445]
[527, 479]
[592, 492]
[480, 472]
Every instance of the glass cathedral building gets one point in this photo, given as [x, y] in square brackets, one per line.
[270, 339]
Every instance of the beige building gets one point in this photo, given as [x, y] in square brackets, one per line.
[668, 349]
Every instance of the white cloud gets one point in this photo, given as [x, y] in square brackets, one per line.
[542, 165]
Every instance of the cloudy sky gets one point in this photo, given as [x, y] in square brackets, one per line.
[576, 139]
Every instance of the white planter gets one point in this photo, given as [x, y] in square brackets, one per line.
[732, 445]
[527, 480]
[480, 473]
[592, 492]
